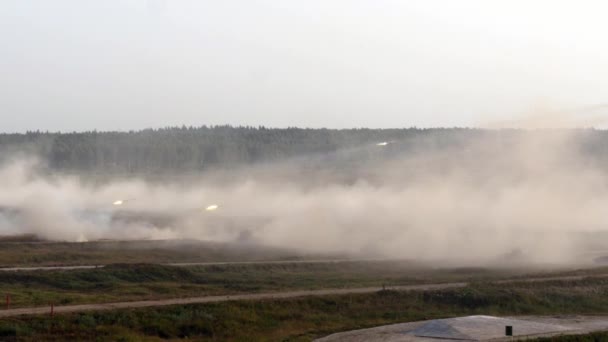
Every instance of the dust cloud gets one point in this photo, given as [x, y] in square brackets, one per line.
[529, 195]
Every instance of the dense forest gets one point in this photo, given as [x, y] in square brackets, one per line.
[201, 148]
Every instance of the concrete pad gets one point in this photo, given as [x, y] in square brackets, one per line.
[474, 328]
[481, 328]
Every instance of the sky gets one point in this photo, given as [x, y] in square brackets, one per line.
[131, 64]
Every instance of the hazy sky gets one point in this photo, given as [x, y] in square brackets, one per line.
[127, 64]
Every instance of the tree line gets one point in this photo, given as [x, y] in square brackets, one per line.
[200, 148]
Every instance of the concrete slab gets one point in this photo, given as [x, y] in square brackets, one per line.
[474, 328]
[481, 328]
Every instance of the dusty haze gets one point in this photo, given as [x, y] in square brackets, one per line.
[523, 194]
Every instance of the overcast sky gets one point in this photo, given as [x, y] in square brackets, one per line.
[128, 64]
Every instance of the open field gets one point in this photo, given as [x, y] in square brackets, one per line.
[325, 171]
[494, 291]
[127, 282]
[14, 251]
[280, 294]
[303, 319]
[219, 299]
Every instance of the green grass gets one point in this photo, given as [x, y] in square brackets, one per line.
[41, 253]
[601, 336]
[306, 318]
[298, 319]
[126, 282]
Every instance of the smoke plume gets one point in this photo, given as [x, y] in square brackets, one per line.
[497, 194]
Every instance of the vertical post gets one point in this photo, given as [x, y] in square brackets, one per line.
[8, 301]
[509, 330]
[52, 309]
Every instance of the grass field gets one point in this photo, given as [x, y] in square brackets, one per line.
[134, 273]
[126, 282]
[306, 318]
[601, 336]
[31, 252]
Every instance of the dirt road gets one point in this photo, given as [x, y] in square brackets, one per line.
[215, 299]
[262, 296]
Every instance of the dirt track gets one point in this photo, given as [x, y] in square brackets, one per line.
[259, 296]
[215, 299]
